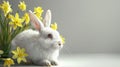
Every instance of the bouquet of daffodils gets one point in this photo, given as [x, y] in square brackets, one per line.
[10, 25]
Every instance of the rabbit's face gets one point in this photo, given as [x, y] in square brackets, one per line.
[50, 38]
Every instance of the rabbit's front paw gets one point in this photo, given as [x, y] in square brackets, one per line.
[54, 63]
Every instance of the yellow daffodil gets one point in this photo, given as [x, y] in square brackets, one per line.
[1, 51]
[26, 18]
[22, 6]
[20, 55]
[8, 62]
[63, 39]
[16, 21]
[6, 7]
[38, 12]
[54, 26]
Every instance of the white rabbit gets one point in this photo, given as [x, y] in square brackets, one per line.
[43, 44]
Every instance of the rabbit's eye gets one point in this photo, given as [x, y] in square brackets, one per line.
[50, 36]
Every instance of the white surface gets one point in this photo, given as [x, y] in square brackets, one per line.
[87, 60]
[90, 60]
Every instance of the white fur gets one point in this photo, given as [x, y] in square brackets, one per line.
[36, 43]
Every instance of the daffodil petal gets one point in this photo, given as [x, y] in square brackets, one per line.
[16, 15]
[19, 60]
[14, 52]
[19, 24]
[15, 56]
[24, 60]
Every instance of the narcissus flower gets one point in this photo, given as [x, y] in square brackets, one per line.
[6, 7]
[38, 12]
[16, 21]
[26, 18]
[20, 55]
[22, 6]
[8, 62]
[63, 39]
[54, 26]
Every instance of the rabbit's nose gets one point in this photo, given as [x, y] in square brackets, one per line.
[59, 43]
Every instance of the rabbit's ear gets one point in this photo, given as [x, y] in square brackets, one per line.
[35, 22]
[47, 19]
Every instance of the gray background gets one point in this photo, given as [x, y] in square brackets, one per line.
[89, 26]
